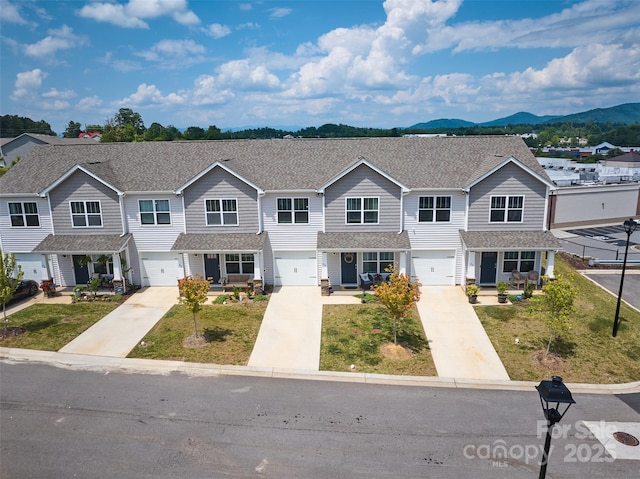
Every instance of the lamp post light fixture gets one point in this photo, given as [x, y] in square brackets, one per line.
[551, 392]
[629, 227]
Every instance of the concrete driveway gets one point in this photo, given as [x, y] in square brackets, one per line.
[118, 332]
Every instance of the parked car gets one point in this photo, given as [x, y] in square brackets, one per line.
[26, 288]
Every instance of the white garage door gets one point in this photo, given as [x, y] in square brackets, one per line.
[295, 268]
[161, 269]
[33, 266]
[434, 267]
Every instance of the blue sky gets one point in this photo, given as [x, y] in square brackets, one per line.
[295, 64]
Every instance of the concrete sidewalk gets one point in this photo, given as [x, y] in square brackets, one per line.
[459, 344]
[117, 333]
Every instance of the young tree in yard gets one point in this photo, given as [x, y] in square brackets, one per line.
[193, 294]
[556, 305]
[398, 295]
[10, 276]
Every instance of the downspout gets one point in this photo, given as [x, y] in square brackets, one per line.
[122, 214]
[261, 195]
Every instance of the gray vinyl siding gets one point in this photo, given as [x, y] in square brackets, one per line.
[295, 236]
[363, 182]
[19, 148]
[23, 239]
[220, 184]
[81, 187]
[510, 180]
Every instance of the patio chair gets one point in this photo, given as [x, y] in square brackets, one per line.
[517, 279]
[533, 277]
[365, 281]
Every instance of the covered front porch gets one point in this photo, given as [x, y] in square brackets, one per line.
[493, 256]
[349, 260]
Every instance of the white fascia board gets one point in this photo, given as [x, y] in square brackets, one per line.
[211, 167]
[515, 161]
[71, 171]
[358, 163]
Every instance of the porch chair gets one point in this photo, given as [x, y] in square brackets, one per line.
[533, 277]
[365, 281]
[517, 279]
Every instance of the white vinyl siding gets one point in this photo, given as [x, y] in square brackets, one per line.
[23, 240]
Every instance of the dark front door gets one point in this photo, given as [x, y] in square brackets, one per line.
[488, 266]
[349, 266]
[212, 267]
[81, 272]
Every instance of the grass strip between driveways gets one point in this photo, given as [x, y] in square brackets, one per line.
[355, 333]
[50, 326]
[231, 331]
[590, 353]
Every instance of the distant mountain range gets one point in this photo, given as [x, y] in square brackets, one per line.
[622, 114]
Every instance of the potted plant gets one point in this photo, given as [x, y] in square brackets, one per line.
[472, 293]
[502, 288]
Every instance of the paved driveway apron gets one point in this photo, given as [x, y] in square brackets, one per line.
[610, 280]
[289, 336]
[459, 344]
[118, 332]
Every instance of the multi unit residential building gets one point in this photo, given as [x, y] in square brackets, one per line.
[446, 211]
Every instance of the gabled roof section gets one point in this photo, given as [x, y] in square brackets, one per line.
[180, 189]
[360, 162]
[70, 172]
[492, 165]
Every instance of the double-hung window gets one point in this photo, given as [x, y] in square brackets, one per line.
[506, 209]
[523, 261]
[362, 210]
[221, 212]
[293, 210]
[239, 263]
[434, 209]
[154, 212]
[24, 214]
[374, 262]
[86, 214]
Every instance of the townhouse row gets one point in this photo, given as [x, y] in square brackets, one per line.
[285, 212]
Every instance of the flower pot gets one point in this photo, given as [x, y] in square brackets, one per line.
[473, 298]
[502, 298]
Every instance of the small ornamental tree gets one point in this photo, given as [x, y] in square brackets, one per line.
[10, 277]
[193, 294]
[398, 295]
[556, 305]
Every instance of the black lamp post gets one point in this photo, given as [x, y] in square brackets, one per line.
[629, 227]
[553, 391]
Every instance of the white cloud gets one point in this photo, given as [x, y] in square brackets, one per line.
[151, 95]
[134, 13]
[89, 103]
[245, 6]
[207, 92]
[60, 95]
[216, 30]
[279, 12]
[58, 39]
[242, 75]
[171, 48]
[27, 84]
[11, 13]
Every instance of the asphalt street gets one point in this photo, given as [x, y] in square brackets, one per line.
[60, 423]
[611, 282]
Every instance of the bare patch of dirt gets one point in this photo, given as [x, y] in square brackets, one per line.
[194, 341]
[550, 361]
[72, 320]
[395, 351]
[12, 332]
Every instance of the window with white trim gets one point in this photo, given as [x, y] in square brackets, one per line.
[293, 210]
[239, 263]
[523, 261]
[86, 214]
[434, 209]
[377, 262]
[154, 212]
[221, 212]
[24, 214]
[362, 210]
[506, 209]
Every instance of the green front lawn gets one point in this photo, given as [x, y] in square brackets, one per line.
[355, 333]
[231, 331]
[589, 352]
[50, 326]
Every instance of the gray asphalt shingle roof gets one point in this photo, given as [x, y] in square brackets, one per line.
[219, 242]
[509, 240]
[296, 164]
[364, 241]
[82, 244]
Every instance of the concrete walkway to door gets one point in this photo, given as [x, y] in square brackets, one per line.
[459, 344]
[118, 332]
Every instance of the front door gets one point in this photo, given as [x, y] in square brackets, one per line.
[81, 272]
[488, 266]
[349, 266]
[212, 267]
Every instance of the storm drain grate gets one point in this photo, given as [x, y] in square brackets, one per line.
[626, 438]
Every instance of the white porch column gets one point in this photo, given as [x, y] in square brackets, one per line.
[117, 267]
[471, 265]
[48, 268]
[257, 265]
[551, 257]
[324, 273]
[402, 263]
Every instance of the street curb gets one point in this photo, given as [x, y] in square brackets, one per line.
[85, 362]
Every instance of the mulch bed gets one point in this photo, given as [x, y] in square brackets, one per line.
[195, 341]
[550, 361]
[12, 332]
